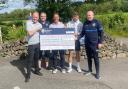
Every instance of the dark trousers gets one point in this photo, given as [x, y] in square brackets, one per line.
[54, 58]
[93, 53]
[33, 57]
[44, 54]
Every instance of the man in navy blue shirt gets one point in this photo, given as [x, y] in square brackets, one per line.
[44, 54]
[93, 32]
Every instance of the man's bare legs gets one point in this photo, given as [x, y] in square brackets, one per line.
[47, 62]
[39, 63]
[78, 61]
[70, 59]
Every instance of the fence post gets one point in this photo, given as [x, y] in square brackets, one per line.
[1, 36]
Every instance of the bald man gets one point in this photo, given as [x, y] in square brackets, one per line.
[93, 32]
[33, 28]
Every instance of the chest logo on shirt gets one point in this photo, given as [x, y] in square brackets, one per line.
[94, 24]
[46, 25]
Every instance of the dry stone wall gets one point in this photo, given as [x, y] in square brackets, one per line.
[110, 50]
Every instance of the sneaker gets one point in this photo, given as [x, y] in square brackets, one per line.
[39, 69]
[27, 78]
[54, 71]
[63, 71]
[49, 68]
[79, 70]
[38, 73]
[69, 70]
[98, 77]
[88, 73]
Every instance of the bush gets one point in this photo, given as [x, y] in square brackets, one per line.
[13, 32]
[115, 24]
[16, 33]
[18, 14]
[124, 6]
[113, 19]
[11, 23]
[4, 30]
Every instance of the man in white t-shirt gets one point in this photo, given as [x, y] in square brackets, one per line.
[77, 25]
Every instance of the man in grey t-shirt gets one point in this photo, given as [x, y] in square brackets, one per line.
[33, 28]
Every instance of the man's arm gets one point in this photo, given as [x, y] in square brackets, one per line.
[82, 33]
[31, 31]
[100, 34]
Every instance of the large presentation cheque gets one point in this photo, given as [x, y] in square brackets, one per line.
[57, 39]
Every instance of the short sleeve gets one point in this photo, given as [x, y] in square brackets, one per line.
[62, 25]
[28, 26]
[40, 26]
[99, 26]
[50, 26]
[80, 26]
[69, 25]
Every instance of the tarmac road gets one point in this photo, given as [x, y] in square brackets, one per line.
[114, 75]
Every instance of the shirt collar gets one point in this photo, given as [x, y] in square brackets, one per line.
[43, 22]
[76, 21]
[90, 21]
[57, 23]
[34, 22]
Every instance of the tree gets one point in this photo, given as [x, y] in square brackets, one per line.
[63, 7]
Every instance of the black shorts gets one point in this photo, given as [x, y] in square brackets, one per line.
[77, 45]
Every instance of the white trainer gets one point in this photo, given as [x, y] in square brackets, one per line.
[88, 73]
[63, 71]
[79, 70]
[54, 71]
[69, 70]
